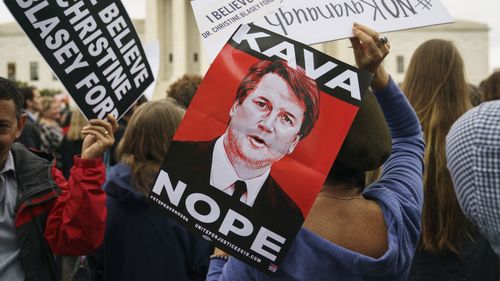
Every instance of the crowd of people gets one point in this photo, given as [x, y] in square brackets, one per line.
[77, 188]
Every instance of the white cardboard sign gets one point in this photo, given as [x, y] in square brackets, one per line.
[317, 21]
[312, 21]
[152, 51]
[218, 19]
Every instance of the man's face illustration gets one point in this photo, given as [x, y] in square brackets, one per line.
[266, 125]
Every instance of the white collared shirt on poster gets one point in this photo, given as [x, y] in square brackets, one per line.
[223, 176]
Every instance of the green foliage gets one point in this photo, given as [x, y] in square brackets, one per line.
[49, 92]
[43, 92]
[21, 84]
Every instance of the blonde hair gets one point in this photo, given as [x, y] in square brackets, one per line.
[78, 121]
[436, 87]
[46, 104]
[147, 139]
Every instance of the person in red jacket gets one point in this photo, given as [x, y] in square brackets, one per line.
[42, 214]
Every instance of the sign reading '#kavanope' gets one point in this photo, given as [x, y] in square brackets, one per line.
[218, 19]
[312, 21]
[332, 19]
[93, 49]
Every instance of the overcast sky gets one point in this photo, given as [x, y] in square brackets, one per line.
[484, 11]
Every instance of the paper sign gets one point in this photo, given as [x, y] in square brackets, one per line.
[218, 19]
[317, 21]
[93, 49]
[253, 151]
[152, 51]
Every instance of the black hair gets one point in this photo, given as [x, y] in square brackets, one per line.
[28, 94]
[9, 91]
[138, 103]
[340, 173]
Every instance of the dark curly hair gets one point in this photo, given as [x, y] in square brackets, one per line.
[184, 89]
[491, 87]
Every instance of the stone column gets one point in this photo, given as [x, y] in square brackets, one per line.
[179, 38]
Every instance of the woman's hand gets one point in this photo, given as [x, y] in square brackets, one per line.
[219, 252]
[369, 53]
[99, 136]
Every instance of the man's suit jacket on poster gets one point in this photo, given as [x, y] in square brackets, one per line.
[191, 163]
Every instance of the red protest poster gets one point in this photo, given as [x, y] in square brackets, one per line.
[256, 143]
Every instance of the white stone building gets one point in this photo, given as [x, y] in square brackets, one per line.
[21, 61]
[471, 39]
[172, 24]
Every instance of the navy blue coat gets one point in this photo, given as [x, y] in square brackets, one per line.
[142, 243]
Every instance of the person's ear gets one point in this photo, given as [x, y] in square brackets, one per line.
[294, 144]
[233, 108]
[20, 124]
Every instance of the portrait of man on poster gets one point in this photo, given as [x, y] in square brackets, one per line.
[276, 106]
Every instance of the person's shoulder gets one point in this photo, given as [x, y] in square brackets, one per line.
[119, 175]
[21, 153]
[346, 223]
[29, 124]
[31, 129]
[31, 168]
[367, 216]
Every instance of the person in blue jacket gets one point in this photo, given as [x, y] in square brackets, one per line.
[141, 242]
[353, 232]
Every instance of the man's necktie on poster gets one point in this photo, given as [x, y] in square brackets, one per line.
[240, 187]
